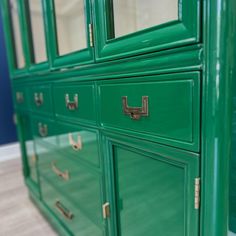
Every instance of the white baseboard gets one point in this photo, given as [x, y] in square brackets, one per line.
[9, 151]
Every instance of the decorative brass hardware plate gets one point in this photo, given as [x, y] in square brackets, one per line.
[197, 193]
[71, 105]
[106, 210]
[63, 210]
[38, 99]
[75, 145]
[43, 130]
[64, 175]
[19, 97]
[135, 112]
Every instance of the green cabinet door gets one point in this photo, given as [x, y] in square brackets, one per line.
[15, 37]
[152, 191]
[128, 27]
[70, 37]
[34, 21]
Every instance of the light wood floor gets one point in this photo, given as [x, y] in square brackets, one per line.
[18, 215]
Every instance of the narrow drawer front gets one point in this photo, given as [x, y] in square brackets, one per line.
[44, 131]
[75, 102]
[40, 99]
[79, 143]
[160, 108]
[76, 202]
[20, 98]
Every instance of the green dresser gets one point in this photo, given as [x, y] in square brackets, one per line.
[124, 113]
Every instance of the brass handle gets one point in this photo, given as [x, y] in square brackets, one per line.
[63, 210]
[38, 99]
[71, 105]
[19, 97]
[64, 175]
[135, 112]
[43, 130]
[75, 145]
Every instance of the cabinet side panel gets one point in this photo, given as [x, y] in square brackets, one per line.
[232, 219]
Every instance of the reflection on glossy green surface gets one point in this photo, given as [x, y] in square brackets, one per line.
[150, 191]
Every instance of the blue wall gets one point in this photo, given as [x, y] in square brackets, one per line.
[7, 127]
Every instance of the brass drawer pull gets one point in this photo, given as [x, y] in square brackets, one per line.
[43, 130]
[75, 145]
[64, 175]
[71, 105]
[135, 112]
[63, 210]
[19, 97]
[38, 99]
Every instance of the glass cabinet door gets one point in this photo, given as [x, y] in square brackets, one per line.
[15, 23]
[70, 32]
[131, 27]
[151, 189]
[15, 39]
[35, 25]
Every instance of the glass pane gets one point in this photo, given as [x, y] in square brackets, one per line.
[134, 15]
[71, 25]
[20, 60]
[37, 29]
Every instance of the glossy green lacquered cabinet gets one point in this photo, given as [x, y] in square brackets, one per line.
[126, 113]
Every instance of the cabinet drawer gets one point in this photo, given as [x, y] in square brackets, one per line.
[20, 98]
[77, 202]
[79, 143]
[44, 131]
[160, 108]
[75, 102]
[74, 142]
[40, 99]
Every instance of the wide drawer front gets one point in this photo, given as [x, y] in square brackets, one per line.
[20, 97]
[76, 200]
[75, 102]
[160, 108]
[40, 99]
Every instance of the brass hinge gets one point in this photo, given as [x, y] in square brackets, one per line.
[91, 38]
[197, 193]
[106, 210]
